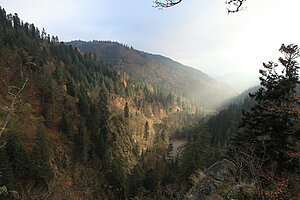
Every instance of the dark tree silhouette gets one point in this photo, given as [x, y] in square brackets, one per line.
[126, 110]
[270, 129]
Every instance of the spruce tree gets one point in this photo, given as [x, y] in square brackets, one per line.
[86, 143]
[150, 181]
[6, 172]
[146, 130]
[116, 176]
[41, 169]
[269, 129]
[17, 156]
[65, 124]
[126, 110]
[135, 180]
[103, 137]
[197, 154]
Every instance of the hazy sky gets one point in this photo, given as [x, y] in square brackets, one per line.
[197, 33]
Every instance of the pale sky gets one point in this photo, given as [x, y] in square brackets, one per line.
[198, 33]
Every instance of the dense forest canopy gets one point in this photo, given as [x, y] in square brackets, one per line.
[72, 121]
[161, 72]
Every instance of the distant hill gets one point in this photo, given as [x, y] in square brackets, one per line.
[224, 123]
[240, 98]
[160, 71]
[240, 81]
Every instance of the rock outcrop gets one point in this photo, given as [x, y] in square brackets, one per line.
[221, 170]
[217, 173]
[199, 191]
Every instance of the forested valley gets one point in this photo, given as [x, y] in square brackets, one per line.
[76, 126]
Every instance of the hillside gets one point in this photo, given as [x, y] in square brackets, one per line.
[78, 129]
[160, 71]
[240, 98]
[130, 127]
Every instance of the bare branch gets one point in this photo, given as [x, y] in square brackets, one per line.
[165, 3]
[235, 5]
[11, 109]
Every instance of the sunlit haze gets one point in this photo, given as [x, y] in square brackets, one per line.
[197, 33]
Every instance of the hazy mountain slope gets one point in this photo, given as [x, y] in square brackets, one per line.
[240, 81]
[240, 98]
[160, 71]
[223, 124]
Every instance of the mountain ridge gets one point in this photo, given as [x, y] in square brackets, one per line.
[160, 71]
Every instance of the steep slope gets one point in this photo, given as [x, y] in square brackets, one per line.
[223, 124]
[240, 98]
[160, 71]
[69, 129]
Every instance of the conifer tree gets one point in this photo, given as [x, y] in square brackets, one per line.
[41, 169]
[86, 146]
[17, 156]
[117, 176]
[135, 181]
[146, 130]
[150, 181]
[65, 124]
[197, 154]
[103, 138]
[6, 172]
[126, 110]
[269, 128]
[83, 103]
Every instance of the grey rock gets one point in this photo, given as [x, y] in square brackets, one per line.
[235, 193]
[205, 189]
[239, 192]
[218, 172]
[221, 170]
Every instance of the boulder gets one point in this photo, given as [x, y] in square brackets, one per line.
[221, 170]
[205, 189]
[235, 193]
[239, 192]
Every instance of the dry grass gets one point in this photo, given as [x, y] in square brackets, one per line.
[198, 177]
